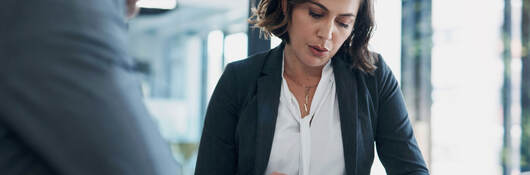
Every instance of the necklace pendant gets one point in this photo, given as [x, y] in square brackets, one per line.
[306, 100]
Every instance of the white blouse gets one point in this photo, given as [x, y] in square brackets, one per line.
[302, 149]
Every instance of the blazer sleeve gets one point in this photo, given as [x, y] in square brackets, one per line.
[217, 150]
[395, 141]
[70, 101]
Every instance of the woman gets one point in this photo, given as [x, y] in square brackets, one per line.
[313, 105]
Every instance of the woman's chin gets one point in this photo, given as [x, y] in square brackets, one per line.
[313, 62]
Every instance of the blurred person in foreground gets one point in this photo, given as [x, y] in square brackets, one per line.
[70, 102]
[316, 104]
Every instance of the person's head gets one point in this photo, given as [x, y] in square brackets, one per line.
[316, 30]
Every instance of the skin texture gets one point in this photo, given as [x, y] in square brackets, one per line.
[132, 9]
[317, 30]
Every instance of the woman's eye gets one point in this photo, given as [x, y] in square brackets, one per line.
[343, 25]
[315, 15]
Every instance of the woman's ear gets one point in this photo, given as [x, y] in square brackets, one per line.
[284, 7]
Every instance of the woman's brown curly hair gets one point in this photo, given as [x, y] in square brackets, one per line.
[271, 20]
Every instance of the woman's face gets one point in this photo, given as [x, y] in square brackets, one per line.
[318, 29]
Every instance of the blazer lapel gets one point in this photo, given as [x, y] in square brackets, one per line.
[347, 96]
[268, 99]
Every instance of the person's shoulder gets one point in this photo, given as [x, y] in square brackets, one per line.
[244, 74]
[383, 75]
[380, 76]
[250, 65]
[380, 63]
[380, 66]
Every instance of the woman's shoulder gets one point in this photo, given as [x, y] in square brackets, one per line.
[248, 65]
[381, 78]
[381, 67]
[241, 76]
[380, 63]
[245, 73]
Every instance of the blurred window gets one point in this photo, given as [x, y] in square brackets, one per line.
[181, 48]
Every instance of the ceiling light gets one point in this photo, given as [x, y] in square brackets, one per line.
[157, 4]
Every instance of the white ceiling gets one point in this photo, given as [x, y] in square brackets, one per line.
[196, 17]
[219, 4]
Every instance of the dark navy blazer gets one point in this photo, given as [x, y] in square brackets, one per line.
[241, 118]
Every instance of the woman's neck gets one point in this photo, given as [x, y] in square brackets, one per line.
[298, 70]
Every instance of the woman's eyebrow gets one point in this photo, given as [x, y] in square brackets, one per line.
[326, 9]
[319, 5]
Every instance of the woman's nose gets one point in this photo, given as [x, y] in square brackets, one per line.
[325, 30]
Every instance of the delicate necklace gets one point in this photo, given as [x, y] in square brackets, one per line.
[307, 90]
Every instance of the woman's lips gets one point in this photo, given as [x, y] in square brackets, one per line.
[318, 51]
